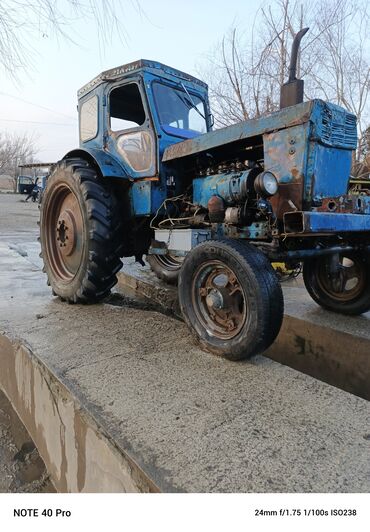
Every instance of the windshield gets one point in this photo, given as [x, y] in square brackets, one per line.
[180, 112]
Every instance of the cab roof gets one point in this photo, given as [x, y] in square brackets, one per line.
[121, 72]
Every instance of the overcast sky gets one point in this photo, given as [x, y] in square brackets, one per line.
[176, 32]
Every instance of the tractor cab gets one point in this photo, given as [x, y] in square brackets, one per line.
[135, 111]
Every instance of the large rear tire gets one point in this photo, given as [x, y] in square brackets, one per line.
[348, 290]
[79, 233]
[230, 298]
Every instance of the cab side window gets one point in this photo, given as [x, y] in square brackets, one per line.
[126, 108]
[89, 119]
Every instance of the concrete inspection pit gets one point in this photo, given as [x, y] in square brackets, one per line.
[117, 397]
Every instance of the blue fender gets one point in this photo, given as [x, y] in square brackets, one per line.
[109, 167]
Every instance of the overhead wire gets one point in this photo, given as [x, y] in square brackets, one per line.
[36, 122]
[37, 105]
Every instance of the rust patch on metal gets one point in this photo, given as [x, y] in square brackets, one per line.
[289, 194]
[285, 153]
[340, 204]
[216, 209]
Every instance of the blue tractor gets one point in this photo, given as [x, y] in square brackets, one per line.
[211, 210]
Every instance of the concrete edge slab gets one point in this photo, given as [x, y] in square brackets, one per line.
[79, 455]
[330, 355]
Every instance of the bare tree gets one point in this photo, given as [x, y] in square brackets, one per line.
[245, 76]
[229, 88]
[344, 59]
[23, 21]
[16, 150]
[361, 167]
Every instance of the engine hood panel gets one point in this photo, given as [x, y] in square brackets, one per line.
[290, 116]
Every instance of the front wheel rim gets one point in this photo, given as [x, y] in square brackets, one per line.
[219, 300]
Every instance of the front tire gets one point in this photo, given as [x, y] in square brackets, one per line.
[79, 233]
[230, 298]
[347, 292]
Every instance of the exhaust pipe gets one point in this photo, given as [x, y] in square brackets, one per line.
[291, 92]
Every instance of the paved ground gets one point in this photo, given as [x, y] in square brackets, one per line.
[192, 421]
[21, 472]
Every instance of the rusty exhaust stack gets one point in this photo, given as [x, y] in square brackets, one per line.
[291, 92]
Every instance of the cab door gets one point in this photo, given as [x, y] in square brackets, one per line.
[130, 134]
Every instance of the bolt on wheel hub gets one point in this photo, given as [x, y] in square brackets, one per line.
[66, 232]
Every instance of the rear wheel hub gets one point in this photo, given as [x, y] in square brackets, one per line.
[63, 236]
[66, 232]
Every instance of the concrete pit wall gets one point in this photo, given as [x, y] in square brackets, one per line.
[78, 455]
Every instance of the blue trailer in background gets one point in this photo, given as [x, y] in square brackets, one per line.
[211, 210]
[25, 184]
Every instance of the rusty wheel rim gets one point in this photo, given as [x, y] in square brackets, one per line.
[63, 239]
[350, 282]
[218, 299]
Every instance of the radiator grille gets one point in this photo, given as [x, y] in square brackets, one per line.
[338, 127]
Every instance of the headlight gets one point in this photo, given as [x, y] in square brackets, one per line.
[266, 184]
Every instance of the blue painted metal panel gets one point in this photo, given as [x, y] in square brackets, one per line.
[108, 165]
[136, 67]
[312, 161]
[330, 171]
[146, 197]
[332, 139]
[175, 132]
[318, 222]
[258, 230]
[141, 198]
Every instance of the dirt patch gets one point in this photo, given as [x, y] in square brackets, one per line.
[126, 298]
[21, 467]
